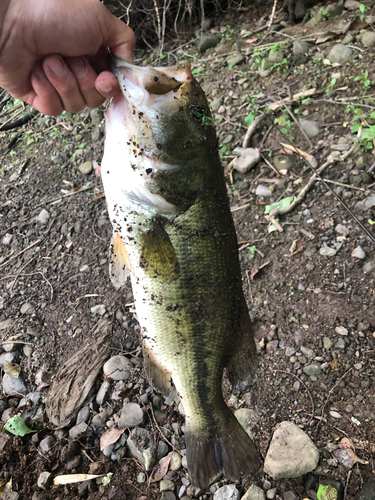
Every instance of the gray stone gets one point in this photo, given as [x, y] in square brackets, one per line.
[168, 495]
[340, 54]
[118, 368]
[263, 191]
[86, 168]
[46, 444]
[43, 217]
[27, 350]
[227, 492]
[254, 493]
[131, 415]
[369, 267]
[7, 356]
[348, 39]
[284, 162]
[83, 415]
[141, 478]
[248, 158]
[365, 204]
[13, 384]
[236, 60]
[352, 4]
[216, 103]
[207, 42]
[7, 239]
[313, 369]
[340, 344]
[176, 461]
[271, 493]
[327, 251]
[310, 128]
[289, 495]
[78, 430]
[276, 56]
[27, 308]
[340, 229]
[289, 351]
[307, 351]
[45, 480]
[99, 309]
[363, 327]
[100, 419]
[359, 253]
[103, 392]
[32, 398]
[141, 446]
[368, 39]
[291, 453]
[6, 323]
[300, 47]
[162, 449]
[166, 485]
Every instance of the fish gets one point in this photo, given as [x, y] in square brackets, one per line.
[174, 235]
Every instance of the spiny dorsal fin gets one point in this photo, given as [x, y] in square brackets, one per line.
[158, 257]
[119, 266]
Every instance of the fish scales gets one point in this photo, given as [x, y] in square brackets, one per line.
[174, 232]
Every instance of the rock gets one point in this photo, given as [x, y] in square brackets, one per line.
[340, 54]
[27, 308]
[13, 384]
[276, 56]
[254, 493]
[69, 451]
[207, 42]
[103, 392]
[365, 204]
[310, 128]
[100, 419]
[43, 217]
[176, 461]
[6, 323]
[367, 492]
[248, 158]
[358, 253]
[340, 229]
[340, 344]
[45, 480]
[327, 343]
[335, 414]
[7, 356]
[216, 103]
[83, 415]
[351, 5]
[7, 239]
[27, 350]
[118, 368]
[284, 162]
[166, 485]
[141, 478]
[313, 369]
[327, 251]
[236, 60]
[289, 495]
[271, 493]
[263, 191]
[168, 495]
[307, 352]
[78, 430]
[32, 398]
[99, 309]
[227, 492]
[46, 444]
[141, 446]
[86, 168]
[341, 330]
[300, 47]
[131, 415]
[363, 327]
[368, 38]
[369, 267]
[291, 453]
[162, 449]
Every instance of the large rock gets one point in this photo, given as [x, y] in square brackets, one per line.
[291, 453]
[131, 415]
[340, 54]
[207, 42]
[248, 158]
[118, 368]
[254, 493]
[300, 47]
[368, 38]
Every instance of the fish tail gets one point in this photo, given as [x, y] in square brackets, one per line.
[229, 451]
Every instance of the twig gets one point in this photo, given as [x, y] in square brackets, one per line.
[61, 124]
[270, 165]
[20, 122]
[272, 15]
[344, 185]
[20, 271]
[347, 484]
[345, 103]
[248, 280]
[84, 188]
[161, 434]
[234, 209]
[333, 388]
[250, 131]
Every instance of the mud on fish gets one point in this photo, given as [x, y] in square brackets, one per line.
[174, 234]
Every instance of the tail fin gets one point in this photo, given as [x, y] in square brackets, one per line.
[230, 451]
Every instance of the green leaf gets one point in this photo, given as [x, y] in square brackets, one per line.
[252, 249]
[279, 205]
[327, 492]
[294, 320]
[355, 421]
[272, 228]
[371, 222]
[17, 426]
[250, 118]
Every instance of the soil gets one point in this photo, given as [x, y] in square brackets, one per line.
[296, 296]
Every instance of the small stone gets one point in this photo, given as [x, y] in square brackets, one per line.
[99, 309]
[341, 330]
[27, 350]
[276, 56]
[307, 351]
[27, 308]
[216, 103]
[43, 217]
[176, 461]
[313, 369]
[141, 478]
[7, 239]
[368, 39]
[271, 494]
[340, 54]
[236, 60]
[284, 162]
[369, 267]
[103, 392]
[363, 327]
[78, 430]
[100, 419]
[141, 446]
[86, 168]
[300, 47]
[327, 343]
[6, 324]
[340, 344]
[13, 384]
[166, 485]
[247, 418]
[248, 158]
[263, 191]
[118, 368]
[335, 414]
[289, 495]
[162, 449]
[131, 415]
[340, 229]
[289, 351]
[358, 253]
[207, 42]
[254, 493]
[45, 480]
[46, 444]
[310, 128]
[227, 492]
[327, 251]
[83, 415]
[168, 495]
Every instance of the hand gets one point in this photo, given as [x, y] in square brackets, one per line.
[53, 53]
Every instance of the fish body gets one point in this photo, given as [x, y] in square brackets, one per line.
[174, 233]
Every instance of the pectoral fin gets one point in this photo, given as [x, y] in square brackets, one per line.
[158, 257]
[119, 266]
[158, 377]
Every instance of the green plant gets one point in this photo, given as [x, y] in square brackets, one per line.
[228, 33]
[331, 85]
[366, 83]
[325, 14]
[362, 9]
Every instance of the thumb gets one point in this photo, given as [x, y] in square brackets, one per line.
[118, 37]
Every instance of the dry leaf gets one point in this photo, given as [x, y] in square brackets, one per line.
[346, 443]
[251, 40]
[75, 478]
[162, 469]
[5, 486]
[295, 150]
[110, 437]
[306, 93]
[253, 272]
[12, 369]
[347, 458]
[325, 37]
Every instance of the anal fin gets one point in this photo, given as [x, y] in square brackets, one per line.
[158, 377]
[119, 266]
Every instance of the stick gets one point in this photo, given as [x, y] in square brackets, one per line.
[84, 188]
[20, 122]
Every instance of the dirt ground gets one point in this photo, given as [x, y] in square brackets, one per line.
[296, 296]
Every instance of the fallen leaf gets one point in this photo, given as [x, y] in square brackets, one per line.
[347, 458]
[17, 426]
[12, 369]
[325, 37]
[253, 272]
[110, 437]
[5, 486]
[346, 443]
[162, 469]
[279, 205]
[74, 478]
[289, 147]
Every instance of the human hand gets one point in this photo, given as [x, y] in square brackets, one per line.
[53, 54]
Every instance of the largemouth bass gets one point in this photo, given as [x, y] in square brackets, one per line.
[174, 233]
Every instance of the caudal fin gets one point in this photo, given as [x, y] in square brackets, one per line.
[229, 451]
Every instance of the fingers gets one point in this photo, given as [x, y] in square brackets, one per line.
[117, 35]
[43, 95]
[106, 84]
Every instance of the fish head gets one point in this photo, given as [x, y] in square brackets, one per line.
[164, 123]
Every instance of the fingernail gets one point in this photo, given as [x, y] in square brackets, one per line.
[78, 67]
[107, 87]
[56, 67]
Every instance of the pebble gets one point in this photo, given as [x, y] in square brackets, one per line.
[340, 54]
[162, 449]
[368, 39]
[141, 478]
[313, 369]
[358, 253]
[341, 330]
[168, 495]
[46, 444]
[307, 351]
[327, 343]
[166, 485]
[103, 392]
[289, 351]
[118, 368]
[300, 47]
[310, 128]
[7, 356]
[227, 492]
[236, 60]
[6, 323]
[43, 217]
[246, 161]
[83, 415]
[216, 103]
[7, 239]
[271, 494]
[45, 480]
[13, 384]
[335, 414]
[340, 344]
[207, 42]
[27, 350]
[27, 308]
[131, 415]
[86, 168]
[369, 267]
[176, 461]
[99, 309]
[340, 229]
[254, 493]
[363, 327]
[32, 397]
[263, 191]
[78, 430]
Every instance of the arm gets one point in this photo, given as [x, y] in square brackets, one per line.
[53, 53]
